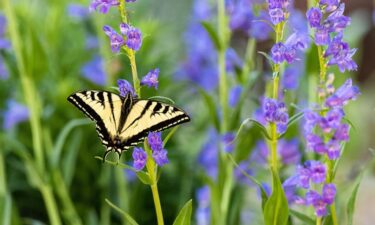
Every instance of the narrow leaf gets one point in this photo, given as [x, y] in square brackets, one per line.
[276, 210]
[351, 202]
[127, 217]
[213, 34]
[162, 98]
[302, 217]
[184, 216]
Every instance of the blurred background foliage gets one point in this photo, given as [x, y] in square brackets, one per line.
[54, 47]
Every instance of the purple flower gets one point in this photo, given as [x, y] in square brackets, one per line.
[125, 87]
[151, 79]
[322, 36]
[278, 52]
[91, 42]
[77, 11]
[240, 15]
[276, 112]
[291, 76]
[116, 39]
[133, 36]
[288, 151]
[155, 141]
[314, 16]
[227, 140]
[336, 21]
[343, 94]
[234, 95]
[94, 71]
[232, 60]
[260, 153]
[342, 133]
[259, 29]
[329, 193]
[202, 10]
[303, 175]
[313, 198]
[160, 156]
[318, 171]
[140, 158]
[131, 0]
[329, 4]
[15, 114]
[276, 15]
[207, 157]
[103, 5]
[202, 214]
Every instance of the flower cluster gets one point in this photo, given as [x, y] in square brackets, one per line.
[125, 87]
[324, 134]
[103, 6]
[329, 32]
[313, 172]
[274, 111]
[287, 51]
[277, 10]
[133, 37]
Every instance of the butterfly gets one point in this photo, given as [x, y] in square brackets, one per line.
[123, 122]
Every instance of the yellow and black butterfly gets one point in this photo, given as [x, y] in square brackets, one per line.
[122, 122]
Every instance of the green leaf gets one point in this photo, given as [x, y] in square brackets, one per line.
[262, 190]
[292, 120]
[351, 202]
[276, 210]
[213, 34]
[257, 124]
[184, 216]
[162, 98]
[126, 216]
[211, 108]
[267, 57]
[302, 217]
[143, 176]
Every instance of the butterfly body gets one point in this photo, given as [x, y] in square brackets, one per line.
[123, 122]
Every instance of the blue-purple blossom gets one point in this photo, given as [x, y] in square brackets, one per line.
[103, 6]
[340, 53]
[91, 42]
[77, 11]
[330, 5]
[116, 39]
[160, 157]
[336, 21]
[240, 15]
[292, 74]
[234, 95]
[243, 166]
[311, 171]
[207, 157]
[343, 94]
[155, 141]
[151, 78]
[321, 36]
[281, 52]
[133, 36]
[139, 158]
[329, 193]
[314, 16]
[227, 140]
[94, 71]
[275, 112]
[277, 10]
[232, 60]
[125, 87]
[202, 215]
[260, 30]
[15, 114]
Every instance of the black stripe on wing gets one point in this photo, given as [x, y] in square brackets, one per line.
[88, 110]
[157, 127]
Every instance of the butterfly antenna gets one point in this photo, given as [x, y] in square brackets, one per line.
[105, 155]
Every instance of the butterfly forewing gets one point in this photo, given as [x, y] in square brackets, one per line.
[102, 107]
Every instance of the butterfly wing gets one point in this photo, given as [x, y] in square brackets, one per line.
[149, 116]
[102, 107]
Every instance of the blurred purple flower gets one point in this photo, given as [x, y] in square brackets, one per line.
[77, 11]
[336, 21]
[202, 215]
[207, 157]
[234, 95]
[275, 112]
[240, 15]
[4, 43]
[103, 6]
[91, 42]
[243, 166]
[330, 5]
[277, 10]
[321, 36]
[227, 140]
[125, 87]
[133, 36]
[232, 60]
[131, 0]
[94, 71]
[313, 171]
[314, 16]
[140, 158]
[201, 10]
[260, 29]
[151, 79]
[116, 39]
[343, 94]
[292, 74]
[15, 114]
[329, 193]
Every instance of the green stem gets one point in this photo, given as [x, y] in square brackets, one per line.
[133, 65]
[223, 92]
[152, 171]
[333, 214]
[3, 184]
[50, 202]
[318, 220]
